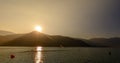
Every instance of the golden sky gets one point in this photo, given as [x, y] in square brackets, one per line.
[76, 18]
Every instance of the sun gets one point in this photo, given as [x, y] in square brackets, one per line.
[38, 28]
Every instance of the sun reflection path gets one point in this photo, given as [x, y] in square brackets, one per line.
[38, 56]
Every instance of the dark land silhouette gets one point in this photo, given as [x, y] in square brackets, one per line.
[109, 42]
[40, 39]
[3, 33]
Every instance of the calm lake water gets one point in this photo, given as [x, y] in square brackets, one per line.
[59, 55]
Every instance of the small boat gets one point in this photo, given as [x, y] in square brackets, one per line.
[110, 53]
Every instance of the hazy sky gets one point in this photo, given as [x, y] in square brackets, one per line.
[75, 18]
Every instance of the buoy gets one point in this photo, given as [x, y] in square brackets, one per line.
[110, 53]
[12, 56]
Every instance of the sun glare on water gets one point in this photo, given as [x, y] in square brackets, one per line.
[38, 28]
[38, 56]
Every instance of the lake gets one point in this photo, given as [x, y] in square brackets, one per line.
[59, 55]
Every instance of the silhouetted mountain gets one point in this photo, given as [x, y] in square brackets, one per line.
[3, 33]
[92, 43]
[4, 39]
[40, 39]
[111, 42]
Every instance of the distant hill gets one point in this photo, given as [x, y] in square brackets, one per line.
[40, 39]
[4, 39]
[3, 33]
[111, 42]
[93, 44]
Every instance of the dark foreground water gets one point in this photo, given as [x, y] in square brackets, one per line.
[59, 55]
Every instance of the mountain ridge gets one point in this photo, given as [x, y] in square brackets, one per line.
[35, 38]
[110, 42]
[4, 33]
[41, 39]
